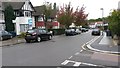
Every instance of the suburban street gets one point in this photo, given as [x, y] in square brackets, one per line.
[60, 51]
[49, 33]
[45, 53]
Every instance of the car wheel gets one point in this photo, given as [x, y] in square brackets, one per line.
[38, 39]
[11, 37]
[27, 41]
[50, 37]
[66, 34]
[1, 38]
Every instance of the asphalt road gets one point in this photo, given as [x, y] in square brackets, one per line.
[45, 53]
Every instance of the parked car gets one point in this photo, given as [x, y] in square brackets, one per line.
[96, 32]
[70, 31]
[83, 29]
[4, 35]
[37, 35]
[78, 31]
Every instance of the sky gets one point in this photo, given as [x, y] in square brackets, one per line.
[92, 6]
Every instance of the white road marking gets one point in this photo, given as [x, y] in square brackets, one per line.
[67, 61]
[89, 64]
[89, 42]
[77, 64]
[93, 40]
[70, 57]
[77, 53]
[83, 47]
[81, 50]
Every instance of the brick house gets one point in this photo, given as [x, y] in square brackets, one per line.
[38, 18]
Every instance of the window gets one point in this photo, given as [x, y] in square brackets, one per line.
[40, 18]
[40, 31]
[21, 13]
[27, 13]
[23, 27]
[44, 31]
[31, 31]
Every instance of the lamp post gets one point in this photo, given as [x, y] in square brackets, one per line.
[102, 17]
[102, 11]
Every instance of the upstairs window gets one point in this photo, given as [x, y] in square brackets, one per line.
[27, 13]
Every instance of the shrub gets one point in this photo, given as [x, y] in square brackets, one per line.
[22, 35]
[57, 31]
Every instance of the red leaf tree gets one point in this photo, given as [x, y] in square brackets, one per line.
[65, 15]
[80, 18]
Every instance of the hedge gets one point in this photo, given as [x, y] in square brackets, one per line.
[57, 31]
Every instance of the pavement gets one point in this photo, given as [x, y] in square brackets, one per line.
[12, 41]
[104, 44]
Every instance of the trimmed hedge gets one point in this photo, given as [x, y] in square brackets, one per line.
[57, 31]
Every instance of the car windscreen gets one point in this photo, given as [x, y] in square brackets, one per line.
[42, 31]
[31, 31]
[95, 29]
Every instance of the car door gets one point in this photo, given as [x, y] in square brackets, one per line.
[8, 35]
[43, 33]
[4, 35]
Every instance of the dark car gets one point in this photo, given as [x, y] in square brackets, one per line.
[70, 31]
[96, 32]
[4, 35]
[37, 35]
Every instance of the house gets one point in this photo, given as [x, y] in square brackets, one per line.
[23, 10]
[99, 23]
[38, 18]
[1, 17]
[92, 25]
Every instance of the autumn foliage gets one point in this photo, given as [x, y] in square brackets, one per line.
[80, 17]
[66, 16]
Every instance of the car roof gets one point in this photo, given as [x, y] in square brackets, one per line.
[95, 29]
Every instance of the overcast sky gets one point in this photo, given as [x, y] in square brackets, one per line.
[92, 6]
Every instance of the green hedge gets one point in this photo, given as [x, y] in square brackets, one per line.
[22, 35]
[57, 31]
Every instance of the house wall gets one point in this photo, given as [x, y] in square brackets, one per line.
[22, 24]
[1, 17]
[33, 20]
[56, 25]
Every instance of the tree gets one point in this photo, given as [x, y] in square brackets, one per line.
[96, 20]
[47, 12]
[114, 23]
[65, 15]
[80, 16]
[54, 6]
[9, 16]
